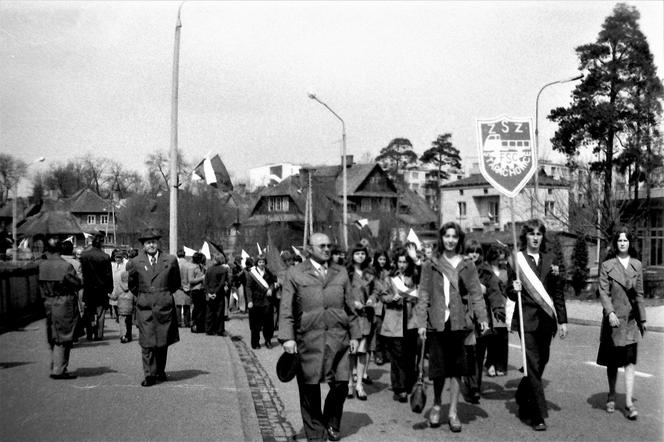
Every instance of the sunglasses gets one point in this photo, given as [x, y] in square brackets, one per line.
[323, 246]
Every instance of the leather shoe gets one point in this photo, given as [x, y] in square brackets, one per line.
[268, 345]
[540, 426]
[333, 434]
[123, 340]
[367, 380]
[361, 395]
[64, 376]
[149, 381]
[455, 424]
[161, 377]
[434, 416]
[403, 397]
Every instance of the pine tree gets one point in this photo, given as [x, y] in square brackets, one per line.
[579, 264]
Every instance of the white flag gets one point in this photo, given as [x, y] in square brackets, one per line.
[412, 237]
[188, 251]
[205, 250]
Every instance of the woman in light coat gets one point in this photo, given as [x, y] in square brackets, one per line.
[621, 295]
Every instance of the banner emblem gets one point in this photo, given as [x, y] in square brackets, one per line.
[507, 154]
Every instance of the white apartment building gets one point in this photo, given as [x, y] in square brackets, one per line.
[271, 174]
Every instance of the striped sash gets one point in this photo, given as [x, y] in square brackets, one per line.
[534, 286]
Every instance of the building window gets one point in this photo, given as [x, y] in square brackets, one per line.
[92, 219]
[460, 191]
[375, 179]
[549, 191]
[365, 205]
[462, 208]
[103, 219]
[385, 205]
[277, 204]
[486, 190]
[493, 211]
[548, 208]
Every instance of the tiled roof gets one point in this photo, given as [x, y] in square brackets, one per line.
[86, 201]
[477, 180]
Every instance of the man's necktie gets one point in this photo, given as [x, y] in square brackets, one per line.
[152, 260]
[323, 272]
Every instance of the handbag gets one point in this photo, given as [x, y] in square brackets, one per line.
[418, 397]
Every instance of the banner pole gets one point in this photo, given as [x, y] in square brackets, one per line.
[518, 294]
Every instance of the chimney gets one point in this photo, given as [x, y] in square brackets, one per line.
[349, 160]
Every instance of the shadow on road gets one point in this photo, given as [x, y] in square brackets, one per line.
[598, 400]
[85, 343]
[493, 391]
[86, 372]
[352, 422]
[13, 364]
[181, 375]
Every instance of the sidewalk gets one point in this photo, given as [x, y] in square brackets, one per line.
[207, 396]
[590, 313]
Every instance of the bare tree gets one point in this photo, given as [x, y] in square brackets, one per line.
[11, 171]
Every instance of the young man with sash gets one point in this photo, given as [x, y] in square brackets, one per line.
[544, 313]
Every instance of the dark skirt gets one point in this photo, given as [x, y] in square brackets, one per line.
[447, 353]
[611, 356]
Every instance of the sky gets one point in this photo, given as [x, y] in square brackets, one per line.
[96, 77]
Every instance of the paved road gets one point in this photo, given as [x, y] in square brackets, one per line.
[220, 389]
[576, 392]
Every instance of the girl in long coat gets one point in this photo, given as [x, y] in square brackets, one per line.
[399, 328]
[621, 294]
[363, 304]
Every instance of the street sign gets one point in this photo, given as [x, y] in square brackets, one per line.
[507, 154]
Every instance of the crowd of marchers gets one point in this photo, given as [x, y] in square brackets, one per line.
[445, 310]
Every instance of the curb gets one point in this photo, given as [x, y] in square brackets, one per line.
[249, 423]
[652, 328]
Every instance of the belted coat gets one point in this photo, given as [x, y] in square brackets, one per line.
[58, 286]
[153, 287]
[318, 314]
[621, 292]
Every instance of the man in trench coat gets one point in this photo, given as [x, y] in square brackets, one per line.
[317, 321]
[153, 278]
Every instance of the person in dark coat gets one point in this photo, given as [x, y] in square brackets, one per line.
[196, 277]
[97, 285]
[621, 295]
[58, 286]
[318, 322]
[544, 313]
[261, 288]
[217, 283]
[153, 278]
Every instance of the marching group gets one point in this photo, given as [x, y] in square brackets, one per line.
[336, 312]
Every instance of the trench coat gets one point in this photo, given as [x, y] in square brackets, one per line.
[621, 292]
[155, 308]
[363, 292]
[97, 277]
[393, 311]
[319, 316]
[466, 301]
[58, 287]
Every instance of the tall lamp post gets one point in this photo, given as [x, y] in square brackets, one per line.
[567, 80]
[15, 213]
[343, 171]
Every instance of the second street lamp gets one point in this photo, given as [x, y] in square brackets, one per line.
[343, 171]
[567, 80]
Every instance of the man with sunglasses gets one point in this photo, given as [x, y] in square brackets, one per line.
[317, 322]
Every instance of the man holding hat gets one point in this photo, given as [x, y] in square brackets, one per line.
[318, 323]
[97, 285]
[153, 278]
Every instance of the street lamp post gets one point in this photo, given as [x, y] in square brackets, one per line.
[577, 77]
[15, 213]
[343, 171]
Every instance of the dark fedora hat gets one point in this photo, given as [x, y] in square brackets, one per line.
[149, 233]
[287, 366]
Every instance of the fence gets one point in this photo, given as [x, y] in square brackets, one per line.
[19, 297]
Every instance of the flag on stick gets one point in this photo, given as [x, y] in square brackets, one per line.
[213, 171]
[205, 250]
[361, 223]
[412, 237]
[188, 251]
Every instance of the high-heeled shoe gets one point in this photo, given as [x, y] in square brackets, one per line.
[631, 413]
[361, 395]
[454, 424]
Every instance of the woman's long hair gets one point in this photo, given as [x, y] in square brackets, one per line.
[351, 263]
[411, 269]
[613, 251]
[377, 266]
[457, 228]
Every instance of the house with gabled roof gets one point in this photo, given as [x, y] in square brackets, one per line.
[279, 212]
[94, 213]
